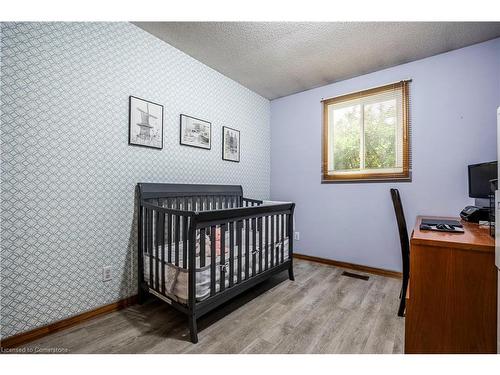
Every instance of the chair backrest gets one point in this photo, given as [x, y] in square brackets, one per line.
[403, 232]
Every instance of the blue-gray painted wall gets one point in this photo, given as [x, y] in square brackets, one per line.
[454, 97]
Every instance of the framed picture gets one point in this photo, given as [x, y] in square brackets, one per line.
[230, 144]
[145, 123]
[195, 132]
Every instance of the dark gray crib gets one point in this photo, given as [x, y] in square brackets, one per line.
[221, 242]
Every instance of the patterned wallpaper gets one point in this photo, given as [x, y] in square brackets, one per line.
[68, 173]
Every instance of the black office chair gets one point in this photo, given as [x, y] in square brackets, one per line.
[405, 247]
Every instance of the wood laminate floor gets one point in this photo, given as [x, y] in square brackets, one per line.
[320, 312]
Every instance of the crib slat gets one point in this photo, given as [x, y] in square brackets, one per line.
[267, 242]
[180, 222]
[290, 236]
[169, 237]
[239, 226]
[259, 220]
[212, 259]
[177, 238]
[157, 250]
[254, 246]
[247, 249]
[277, 246]
[150, 246]
[282, 247]
[231, 254]
[222, 275]
[143, 235]
[272, 240]
[184, 241]
[162, 238]
[278, 239]
[202, 247]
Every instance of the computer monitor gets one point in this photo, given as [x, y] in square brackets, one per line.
[479, 179]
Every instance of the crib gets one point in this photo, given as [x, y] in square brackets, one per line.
[201, 245]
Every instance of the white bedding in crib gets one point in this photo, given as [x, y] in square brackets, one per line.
[176, 278]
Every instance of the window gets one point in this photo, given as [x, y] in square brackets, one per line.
[366, 135]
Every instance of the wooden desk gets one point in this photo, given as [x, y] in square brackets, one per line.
[452, 304]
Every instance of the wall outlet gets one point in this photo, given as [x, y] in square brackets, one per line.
[296, 236]
[106, 273]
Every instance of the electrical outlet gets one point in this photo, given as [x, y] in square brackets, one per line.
[106, 273]
[296, 236]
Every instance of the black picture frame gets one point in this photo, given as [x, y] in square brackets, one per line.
[130, 140]
[224, 143]
[191, 144]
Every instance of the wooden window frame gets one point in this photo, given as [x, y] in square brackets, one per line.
[405, 175]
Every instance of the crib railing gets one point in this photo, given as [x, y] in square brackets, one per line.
[256, 241]
[163, 237]
[171, 228]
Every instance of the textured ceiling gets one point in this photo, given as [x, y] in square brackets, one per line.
[277, 59]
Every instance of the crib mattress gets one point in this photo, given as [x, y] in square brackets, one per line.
[176, 278]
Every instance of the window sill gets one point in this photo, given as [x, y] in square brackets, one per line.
[333, 180]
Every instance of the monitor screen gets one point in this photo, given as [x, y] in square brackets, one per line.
[479, 179]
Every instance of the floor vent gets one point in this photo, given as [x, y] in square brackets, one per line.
[355, 275]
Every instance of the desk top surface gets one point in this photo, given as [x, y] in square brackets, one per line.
[475, 237]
